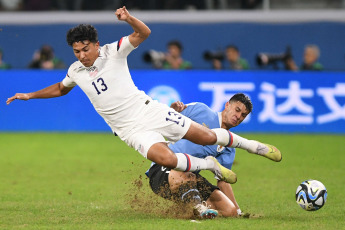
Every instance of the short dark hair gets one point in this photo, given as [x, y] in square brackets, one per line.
[233, 47]
[244, 99]
[81, 33]
[176, 43]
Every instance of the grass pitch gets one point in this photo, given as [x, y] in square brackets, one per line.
[94, 181]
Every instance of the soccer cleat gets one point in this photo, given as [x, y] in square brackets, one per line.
[204, 211]
[269, 151]
[223, 173]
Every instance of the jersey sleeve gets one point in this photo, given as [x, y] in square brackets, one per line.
[194, 109]
[68, 81]
[121, 48]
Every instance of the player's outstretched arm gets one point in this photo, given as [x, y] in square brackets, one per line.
[141, 31]
[55, 90]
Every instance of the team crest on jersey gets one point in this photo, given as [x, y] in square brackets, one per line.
[93, 71]
[220, 148]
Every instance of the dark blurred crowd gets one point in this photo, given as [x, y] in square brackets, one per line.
[43, 58]
[44, 5]
[228, 59]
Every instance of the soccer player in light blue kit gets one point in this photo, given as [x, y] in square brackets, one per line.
[192, 187]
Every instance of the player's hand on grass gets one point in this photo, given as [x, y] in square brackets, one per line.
[19, 96]
[122, 14]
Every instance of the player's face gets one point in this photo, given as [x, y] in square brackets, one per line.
[233, 114]
[86, 52]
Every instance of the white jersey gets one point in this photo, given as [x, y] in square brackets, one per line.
[109, 86]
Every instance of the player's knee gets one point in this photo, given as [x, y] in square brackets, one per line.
[229, 212]
[223, 204]
[162, 155]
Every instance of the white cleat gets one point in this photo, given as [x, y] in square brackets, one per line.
[204, 211]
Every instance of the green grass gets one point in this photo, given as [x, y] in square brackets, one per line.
[86, 181]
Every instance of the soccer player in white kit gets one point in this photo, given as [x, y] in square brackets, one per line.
[146, 125]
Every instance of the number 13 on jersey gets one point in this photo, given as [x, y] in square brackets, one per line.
[99, 84]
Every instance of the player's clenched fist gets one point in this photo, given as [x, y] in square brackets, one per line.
[122, 14]
[20, 96]
[178, 106]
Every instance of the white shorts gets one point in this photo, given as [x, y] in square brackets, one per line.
[159, 123]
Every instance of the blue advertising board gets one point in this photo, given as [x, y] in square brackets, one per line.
[284, 102]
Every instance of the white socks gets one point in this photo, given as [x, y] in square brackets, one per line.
[229, 139]
[243, 143]
[223, 137]
[226, 138]
[186, 163]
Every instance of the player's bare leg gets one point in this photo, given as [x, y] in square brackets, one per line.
[201, 135]
[162, 155]
[222, 203]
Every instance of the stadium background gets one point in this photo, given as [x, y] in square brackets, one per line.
[77, 175]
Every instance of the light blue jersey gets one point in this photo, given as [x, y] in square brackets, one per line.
[202, 114]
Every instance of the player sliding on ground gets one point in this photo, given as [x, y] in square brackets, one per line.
[192, 188]
[102, 73]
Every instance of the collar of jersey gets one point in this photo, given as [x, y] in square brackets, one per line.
[220, 119]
